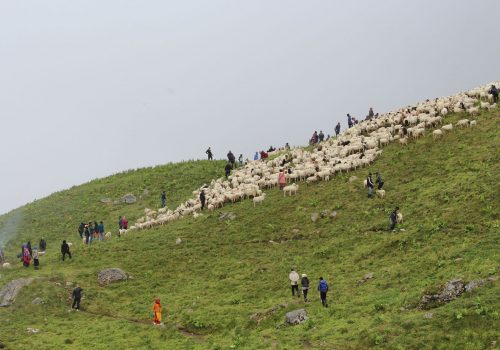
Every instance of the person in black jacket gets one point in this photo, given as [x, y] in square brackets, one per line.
[209, 153]
[337, 129]
[379, 181]
[43, 245]
[81, 229]
[305, 286]
[163, 199]
[65, 250]
[77, 296]
[394, 218]
[369, 184]
[494, 91]
[232, 159]
[87, 234]
[202, 199]
[228, 169]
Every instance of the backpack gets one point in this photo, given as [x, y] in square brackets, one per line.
[323, 286]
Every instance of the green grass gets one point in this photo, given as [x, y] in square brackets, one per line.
[225, 271]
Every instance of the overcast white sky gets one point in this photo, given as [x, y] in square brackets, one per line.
[89, 88]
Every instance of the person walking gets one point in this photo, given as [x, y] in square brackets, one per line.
[256, 156]
[294, 278]
[163, 199]
[65, 250]
[370, 113]
[337, 129]
[393, 219]
[43, 245]
[321, 136]
[282, 179]
[157, 312]
[87, 234]
[349, 120]
[81, 229]
[240, 159]
[227, 169]
[26, 256]
[369, 185]
[232, 159]
[101, 231]
[36, 256]
[323, 289]
[124, 223]
[202, 199]
[494, 91]
[209, 153]
[77, 297]
[379, 181]
[305, 286]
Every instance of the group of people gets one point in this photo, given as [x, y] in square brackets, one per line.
[91, 231]
[28, 253]
[370, 185]
[304, 282]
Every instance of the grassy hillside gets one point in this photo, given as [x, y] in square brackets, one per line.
[224, 272]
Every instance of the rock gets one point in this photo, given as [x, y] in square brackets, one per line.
[227, 216]
[473, 285]
[37, 301]
[353, 178]
[145, 192]
[449, 292]
[32, 330]
[366, 277]
[114, 274]
[333, 215]
[129, 198]
[10, 291]
[325, 213]
[106, 200]
[296, 316]
[428, 315]
[314, 217]
[178, 241]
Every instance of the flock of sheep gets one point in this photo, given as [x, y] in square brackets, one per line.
[356, 147]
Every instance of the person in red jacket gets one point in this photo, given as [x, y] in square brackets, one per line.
[124, 223]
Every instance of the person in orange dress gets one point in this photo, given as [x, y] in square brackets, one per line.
[282, 179]
[157, 312]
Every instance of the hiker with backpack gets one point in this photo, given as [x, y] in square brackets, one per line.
[323, 289]
[77, 297]
[305, 286]
[294, 278]
[65, 250]
[379, 181]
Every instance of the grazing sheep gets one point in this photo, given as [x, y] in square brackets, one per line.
[473, 123]
[6, 265]
[290, 188]
[463, 123]
[259, 199]
[70, 244]
[399, 218]
[447, 127]
[437, 133]
[444, 111]
[473, 111]
[403, 141]
[380, 193]
[107, 235]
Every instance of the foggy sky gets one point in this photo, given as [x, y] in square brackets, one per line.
[90, 88]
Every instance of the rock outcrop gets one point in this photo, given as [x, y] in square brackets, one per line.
[110, 275]
[9, 292]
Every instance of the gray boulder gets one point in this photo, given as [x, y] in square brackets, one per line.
[106, 200]
[9, 292]
[296, 316]
[129, 198]
[37, 301]
[314, 217]
[473, 285]
[110, 275]
[450, 291]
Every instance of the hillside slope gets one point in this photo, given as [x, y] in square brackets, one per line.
[225, 271]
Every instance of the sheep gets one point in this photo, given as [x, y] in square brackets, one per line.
[437, 133]
[399, 218]
[290, 188]
[311, 179]
[447, 127]
[107, 235]
[444, 111]
[473, 111]
[6, 265]
[463, 123]
[403, 141]
[380, 193]
[70, 244]
[258, 199]
[473, 123]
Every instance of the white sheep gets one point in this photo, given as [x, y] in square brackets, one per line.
[403, 141]
[6, 265]
[380, 193]
[437, 133]
[290, 188]
[447, 127]
[259, 199]
[107, 235]
[463, 123]
[473, 123]
[399, 218]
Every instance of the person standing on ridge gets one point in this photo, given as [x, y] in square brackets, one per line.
[65, 250]
[305, 286]
[370, 113]
[321, 136]
[232, 159]
[369, 185]
[202, 199]
[227, 169]
[163, 199]
[240, 159]
[209, 153]
[323, 289]
[494, 91]
[337, 129]
[349, 120]
[77, 297]
[294, 278]
[393, 219]
[256, 156]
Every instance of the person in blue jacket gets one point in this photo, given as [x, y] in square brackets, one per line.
[323, 289]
